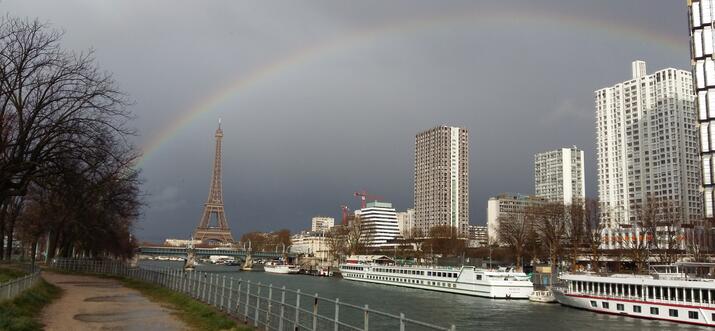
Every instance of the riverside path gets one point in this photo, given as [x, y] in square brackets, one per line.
[92, 303]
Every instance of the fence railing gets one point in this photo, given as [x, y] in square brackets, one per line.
[257, 304]
[14, 287]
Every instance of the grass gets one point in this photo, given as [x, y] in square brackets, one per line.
[10, 273]
[197, 315]
[22, 313]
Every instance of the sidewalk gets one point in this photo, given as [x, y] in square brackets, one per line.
[91, 303]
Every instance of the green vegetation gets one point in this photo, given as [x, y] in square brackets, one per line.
[7, 273]
[196, 314]
[22, 313]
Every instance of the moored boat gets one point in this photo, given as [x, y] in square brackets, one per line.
[667, 293]
[280, 268]
[501, 283]
[543, 296]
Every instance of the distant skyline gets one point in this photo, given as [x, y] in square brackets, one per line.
[320, 99]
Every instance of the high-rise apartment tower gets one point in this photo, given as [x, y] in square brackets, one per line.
[647, 146]
[442, 179]
[701, 18]
[558, 175]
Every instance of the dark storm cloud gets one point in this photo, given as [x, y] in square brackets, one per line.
[299, 142]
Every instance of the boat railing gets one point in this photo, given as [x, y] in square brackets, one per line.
[263, 306]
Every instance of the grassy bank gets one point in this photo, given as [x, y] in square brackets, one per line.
[8, 273]
[23, 312]
[196, 314]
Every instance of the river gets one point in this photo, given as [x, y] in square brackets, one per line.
[465, 312]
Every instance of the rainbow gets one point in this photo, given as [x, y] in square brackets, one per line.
[361, 37]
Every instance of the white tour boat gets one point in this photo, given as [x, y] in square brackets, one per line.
[279, 268]
[497, 284]
[668, 293]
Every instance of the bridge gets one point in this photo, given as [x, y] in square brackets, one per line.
[181, 251]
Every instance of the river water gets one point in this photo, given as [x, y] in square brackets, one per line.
[465, 312]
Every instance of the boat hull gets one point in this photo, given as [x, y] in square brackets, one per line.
[585, 302]
[281, 270]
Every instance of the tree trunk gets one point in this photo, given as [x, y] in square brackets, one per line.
[52, 246]
[9, 233]
[34, 253]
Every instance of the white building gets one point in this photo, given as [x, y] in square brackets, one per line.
[406, 222]
[504, 205]
[322, 224]
[558, 175]
[647, 145]
[702, 16]
[441, 190]
[379, 224]
[311, 243]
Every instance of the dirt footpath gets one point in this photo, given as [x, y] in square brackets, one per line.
[91, 303]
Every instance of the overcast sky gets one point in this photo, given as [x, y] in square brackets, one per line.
[333, 92]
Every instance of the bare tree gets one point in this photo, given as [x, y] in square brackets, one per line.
[576, 230]
[550, 223]
[55, 105]
[593, 232]
[515, 231]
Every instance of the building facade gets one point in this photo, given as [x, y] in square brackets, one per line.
[647, 146]
[478, 236]
[559, 175]
[322, 224]
[441, 191]
[379, 224]
[311, 244]
[506, 205]
[701, 18]
[406, 223]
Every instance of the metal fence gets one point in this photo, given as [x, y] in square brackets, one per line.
[257, 304]
[13, 288]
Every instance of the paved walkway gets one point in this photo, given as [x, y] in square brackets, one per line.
[91, 303]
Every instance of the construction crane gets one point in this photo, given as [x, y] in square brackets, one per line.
[364, 196]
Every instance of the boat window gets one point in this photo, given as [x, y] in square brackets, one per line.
[693, 315]
[604, 304]
[681, 294]
[673, 312]
[671, 295]
[600, 288]
[705, 297]
[632, 290]
[636, 309]
[639, 291]
[429, 273]
[688, 295]
[608, 289]
[479, 277]
[594, 305]
[650, 292]
[654, 311]
[657, 290]
[696, 295]
[619, 307]
[619, 290]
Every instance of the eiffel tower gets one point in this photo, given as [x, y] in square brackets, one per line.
[214, 204]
